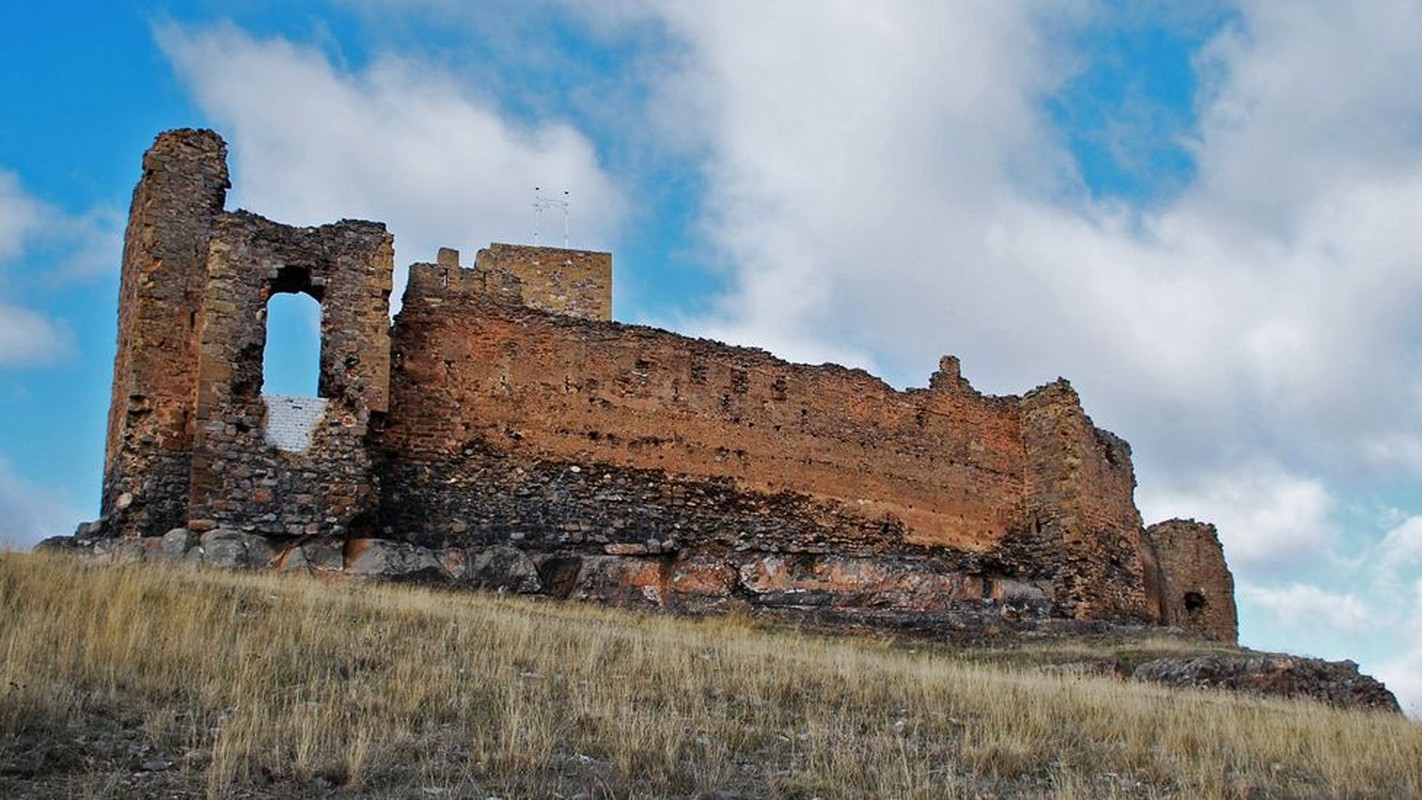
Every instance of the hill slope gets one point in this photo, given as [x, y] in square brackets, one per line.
[123, 681]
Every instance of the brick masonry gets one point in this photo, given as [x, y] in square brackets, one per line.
[505, 413]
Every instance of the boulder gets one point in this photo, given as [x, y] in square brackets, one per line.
[175, 544]
[60, 544]
[225, 548]
[1096, 667]
[128, 550]
[454, 562]
[393, 561]
[1337, 683]
[312, 555]
[703, 576]
[505, 569]
[621, 581]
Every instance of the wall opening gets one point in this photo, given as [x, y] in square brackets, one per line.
[291, 359]
[291, 370]
[1194, 602]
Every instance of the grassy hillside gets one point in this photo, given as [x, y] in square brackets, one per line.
[143, 681]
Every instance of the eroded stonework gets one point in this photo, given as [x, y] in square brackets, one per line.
[504, 432]
[1195, 590]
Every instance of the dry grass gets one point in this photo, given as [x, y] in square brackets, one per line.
[257, 685]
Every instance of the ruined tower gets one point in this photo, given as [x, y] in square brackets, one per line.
[189, 431]
[1189, 579]
[152, 415]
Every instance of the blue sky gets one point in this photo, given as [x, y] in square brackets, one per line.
[1205, 215]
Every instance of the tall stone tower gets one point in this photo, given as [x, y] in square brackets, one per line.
[148, 458]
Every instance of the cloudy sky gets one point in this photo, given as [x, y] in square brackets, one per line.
[1208, 216]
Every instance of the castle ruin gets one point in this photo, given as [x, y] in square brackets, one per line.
[512, 433]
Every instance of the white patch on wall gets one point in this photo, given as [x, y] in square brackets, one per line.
[290, 420]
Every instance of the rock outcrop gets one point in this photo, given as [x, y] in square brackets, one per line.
[1337, 683]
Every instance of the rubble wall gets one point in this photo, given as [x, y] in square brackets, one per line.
[239, 479]
[506, 418]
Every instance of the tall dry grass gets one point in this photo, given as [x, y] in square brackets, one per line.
[250, 685]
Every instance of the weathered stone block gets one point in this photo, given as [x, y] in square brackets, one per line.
[393, 561]
[177, 542]
[504, 568]
[312, 555]
[224, 548]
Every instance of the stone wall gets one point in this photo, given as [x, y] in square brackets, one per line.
[1081, 488]
[477, 375]
[240, 480]
[1193, 586]
[510, 425]
[577, 283]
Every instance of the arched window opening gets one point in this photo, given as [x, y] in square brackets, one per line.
[291, 359]
[291, 371]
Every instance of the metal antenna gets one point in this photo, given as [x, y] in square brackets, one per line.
[541, 204]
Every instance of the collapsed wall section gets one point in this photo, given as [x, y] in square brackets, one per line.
[186, 430]
[1081, 487]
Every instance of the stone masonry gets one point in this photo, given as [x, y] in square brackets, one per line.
[510, 432]
[1195, 588]
[187, 419]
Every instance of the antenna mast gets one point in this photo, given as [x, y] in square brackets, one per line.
[541, 204]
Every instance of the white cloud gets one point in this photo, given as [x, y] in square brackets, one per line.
[1402, 546]
[886, 187]
[26, 336]
[92, 242]
[399, 141]
[29, 512]
[20, 216]
[1403, 672]
[1266, 516]
[1303, 607]
[1403, 676]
